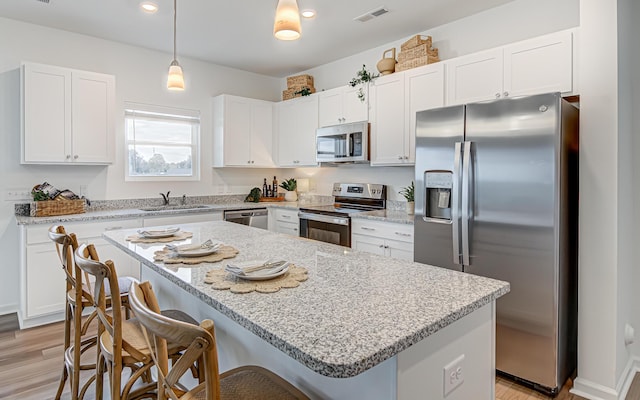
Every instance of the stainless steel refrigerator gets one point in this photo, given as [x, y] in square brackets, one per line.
[497, 196]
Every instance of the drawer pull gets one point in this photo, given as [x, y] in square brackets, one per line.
[286, 216]
[366, 228]
[403, 234]
[113, 228]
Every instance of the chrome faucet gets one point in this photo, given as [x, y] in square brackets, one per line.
[165, 198]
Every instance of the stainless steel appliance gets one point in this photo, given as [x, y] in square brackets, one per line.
[256, 217]
[343, 143]
[332, 223]
[497, 196]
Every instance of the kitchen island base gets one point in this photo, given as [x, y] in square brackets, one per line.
[417, 372]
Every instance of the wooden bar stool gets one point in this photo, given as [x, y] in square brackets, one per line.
[249, 382]
[121, 344]
[77, 338]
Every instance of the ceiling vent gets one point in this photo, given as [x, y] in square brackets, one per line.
[371, 14]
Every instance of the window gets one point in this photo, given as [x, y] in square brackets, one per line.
[162, 143]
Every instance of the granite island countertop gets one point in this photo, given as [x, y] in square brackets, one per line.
[355, 310]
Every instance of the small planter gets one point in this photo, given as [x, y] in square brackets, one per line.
[290, 195]
[411, 207]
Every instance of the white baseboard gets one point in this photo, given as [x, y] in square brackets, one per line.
[595, 391]
[8, 309]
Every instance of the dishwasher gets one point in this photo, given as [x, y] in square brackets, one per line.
[256, 217]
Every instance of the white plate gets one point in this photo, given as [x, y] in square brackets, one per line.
[157, 234]
[263, 275]
[197, 252]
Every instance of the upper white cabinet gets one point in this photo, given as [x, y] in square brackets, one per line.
[67, 116]
[341, 105]
[394, 101]
[540, 65]
[297, 122]
[242, 132]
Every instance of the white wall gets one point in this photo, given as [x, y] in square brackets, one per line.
[511, 22]
[607, 218]
[140, 77]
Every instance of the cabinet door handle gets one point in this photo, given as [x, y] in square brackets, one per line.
[112, 228]
[68, 156]
[506, 94]
[286, 216]
[386, 246]
[403, 234]
[406, 157]
[75, 157]
[400, 157]
[366, 228]
[497, 95]
[381, 246]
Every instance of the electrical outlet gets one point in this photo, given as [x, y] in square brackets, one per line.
[17, 195]
[453, 374]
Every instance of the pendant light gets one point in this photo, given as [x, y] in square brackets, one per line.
[287, 22]
[175, 81]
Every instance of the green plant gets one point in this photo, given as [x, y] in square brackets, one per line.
[408, 192]
[289, 184]
[363, 76]
[39, 195]
[254, 195]
[305, 91]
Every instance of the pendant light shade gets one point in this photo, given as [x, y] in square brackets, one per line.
[287, 22]
[175, 81]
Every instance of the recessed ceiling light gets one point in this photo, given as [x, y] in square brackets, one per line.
[308, 13]
[149, 7]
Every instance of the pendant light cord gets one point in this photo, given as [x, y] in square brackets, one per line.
[175, 18]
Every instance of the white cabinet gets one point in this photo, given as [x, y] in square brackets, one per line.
[284, 221]
[341, 105]
[42, 281]
[540, 65]
[242, 132]
[297, 122]
[67, 116]
[383, 238]
[394, 100]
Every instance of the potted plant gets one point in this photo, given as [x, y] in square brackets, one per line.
[408, 193]
[290, 186]
[362, 77]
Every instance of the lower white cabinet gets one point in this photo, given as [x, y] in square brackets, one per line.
[284, 221]
[42, 280]
[384, 238]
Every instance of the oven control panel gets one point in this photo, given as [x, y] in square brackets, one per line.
[360, 190]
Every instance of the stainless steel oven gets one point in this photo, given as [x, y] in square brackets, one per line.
[332, 223]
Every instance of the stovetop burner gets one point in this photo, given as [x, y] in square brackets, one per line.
[352, 198]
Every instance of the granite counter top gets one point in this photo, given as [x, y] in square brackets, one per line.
[130, 213]
[355, 311]
[400, 217]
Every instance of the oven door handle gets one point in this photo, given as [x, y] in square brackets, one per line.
[329, 219]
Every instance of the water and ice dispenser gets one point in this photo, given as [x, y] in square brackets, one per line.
[438, 186]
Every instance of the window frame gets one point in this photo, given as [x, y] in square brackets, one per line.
[162, 113]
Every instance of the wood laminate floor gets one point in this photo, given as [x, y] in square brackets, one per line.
[31, 362]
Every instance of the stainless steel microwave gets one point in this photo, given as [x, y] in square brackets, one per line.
[347, 143]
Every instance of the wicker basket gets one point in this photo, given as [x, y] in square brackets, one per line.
[416, 62]
[420, 50]
[299, 81]
[56, 207]
[415, 41]
[291, 93]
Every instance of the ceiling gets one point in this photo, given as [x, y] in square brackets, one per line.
[238, 33]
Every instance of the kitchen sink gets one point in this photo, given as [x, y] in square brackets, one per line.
[174, 207]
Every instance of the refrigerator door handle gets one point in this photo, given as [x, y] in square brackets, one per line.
[455, 203]
[466, 186]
